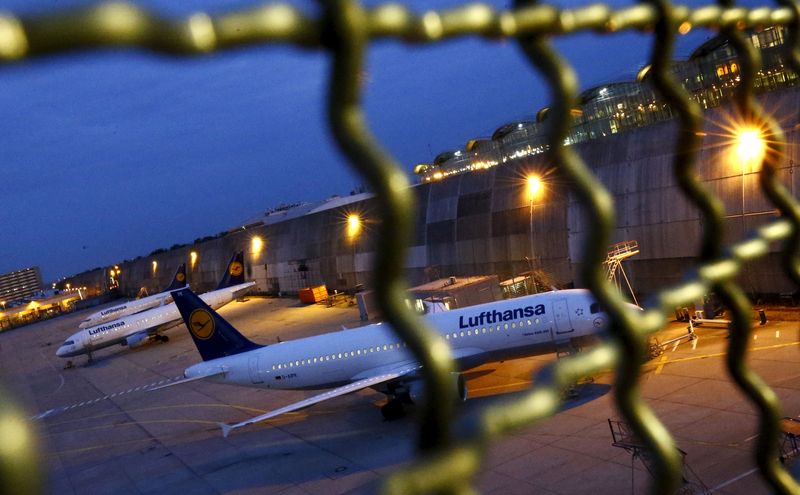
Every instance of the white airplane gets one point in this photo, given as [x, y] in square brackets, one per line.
[373, 356]
[138, 305]
[141, 327]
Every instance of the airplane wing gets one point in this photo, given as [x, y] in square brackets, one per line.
[371, 381]
[218, 371]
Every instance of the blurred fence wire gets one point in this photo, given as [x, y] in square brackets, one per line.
[344, 29]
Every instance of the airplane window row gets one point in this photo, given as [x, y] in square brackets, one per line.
[340, 355]
[490, 329]
[396, 346]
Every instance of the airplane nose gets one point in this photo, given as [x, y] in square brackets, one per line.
[60, 352]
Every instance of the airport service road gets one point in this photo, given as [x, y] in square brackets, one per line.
[103, 434]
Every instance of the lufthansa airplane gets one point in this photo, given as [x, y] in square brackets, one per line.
[373, 356]
[138, 305]
[148, 325]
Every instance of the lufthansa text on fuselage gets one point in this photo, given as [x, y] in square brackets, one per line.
[494, 316]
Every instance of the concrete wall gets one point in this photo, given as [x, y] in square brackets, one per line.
[479, 223]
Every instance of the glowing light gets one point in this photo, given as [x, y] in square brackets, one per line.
[750, 146]
[533, 187]
[155, 266]
[193, 258]
[437, 176]
[353, 225]
[257, 244]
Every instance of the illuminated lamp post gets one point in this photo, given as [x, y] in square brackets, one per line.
[256, 245]
[750, 148]
[533, 190]
[353, 230]
[192, 260]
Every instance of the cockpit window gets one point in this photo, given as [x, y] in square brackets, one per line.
[69, 342]
[595, 308]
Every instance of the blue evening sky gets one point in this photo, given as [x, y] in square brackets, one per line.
[109, 155]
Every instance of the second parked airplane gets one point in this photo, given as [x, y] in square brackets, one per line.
[137, 305]
[148, 325]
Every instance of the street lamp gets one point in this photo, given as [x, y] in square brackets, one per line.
[533, 190]
[257, 245]
[750, 148]
[353, 229]
[192, 259]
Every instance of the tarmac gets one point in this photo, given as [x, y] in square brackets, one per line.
[103, 432]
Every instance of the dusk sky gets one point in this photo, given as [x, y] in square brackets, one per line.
[110, 155]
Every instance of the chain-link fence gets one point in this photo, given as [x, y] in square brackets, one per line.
[344, 30]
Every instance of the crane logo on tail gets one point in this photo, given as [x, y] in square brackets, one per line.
[180, 277]
[201, 324]
[236, 269]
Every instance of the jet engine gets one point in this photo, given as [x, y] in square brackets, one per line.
[416, 389]
[135, 340]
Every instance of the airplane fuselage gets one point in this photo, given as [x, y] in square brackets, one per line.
[128, 308]
[495, 331]
[141, 324]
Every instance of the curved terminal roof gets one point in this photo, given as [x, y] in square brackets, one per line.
[506, 129]
[709, 46]
[474, 144]
[446, 155]
[612, 90]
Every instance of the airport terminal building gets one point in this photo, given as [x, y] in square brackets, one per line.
[477, 215]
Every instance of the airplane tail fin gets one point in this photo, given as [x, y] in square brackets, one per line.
[234, 273]
[213, 336]
[179, 280]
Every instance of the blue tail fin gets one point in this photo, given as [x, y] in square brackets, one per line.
[213, 336]
[179, 280]
[234, 273]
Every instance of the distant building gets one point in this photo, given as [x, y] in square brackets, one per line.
[20, 284]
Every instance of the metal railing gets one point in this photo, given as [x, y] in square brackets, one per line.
[344, 29]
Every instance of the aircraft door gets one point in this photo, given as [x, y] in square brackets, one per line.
[561, 317]
[255, 376]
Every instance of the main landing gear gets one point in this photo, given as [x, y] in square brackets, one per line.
[393, 410]
[161, 338]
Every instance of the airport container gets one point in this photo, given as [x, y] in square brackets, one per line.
[311, 295]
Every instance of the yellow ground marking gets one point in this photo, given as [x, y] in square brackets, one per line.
[720, 354]
[52, 455]
[505, 385]
[159, 408]
[661, 364]
[133, 423]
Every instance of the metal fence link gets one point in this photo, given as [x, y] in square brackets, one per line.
[598, 207]
[763, 398]
[347, 38]
[446, 464]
